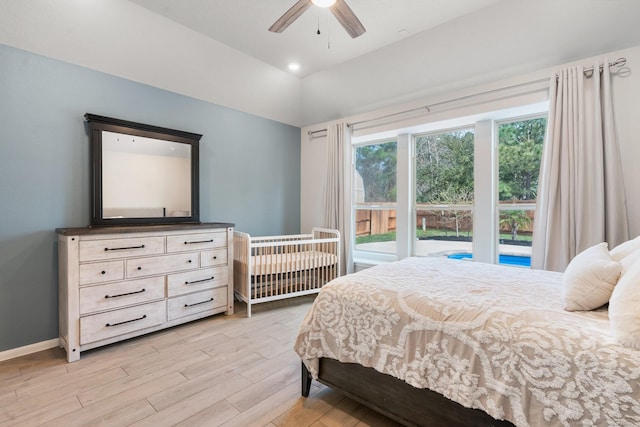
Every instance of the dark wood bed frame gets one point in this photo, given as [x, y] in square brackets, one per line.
[396, 399]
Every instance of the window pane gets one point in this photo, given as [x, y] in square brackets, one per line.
[515, 227]
[444, 193]
[375, 197]
[519, 156]
[376, 230]
[444, 168]
[375, 180]
[443, 232]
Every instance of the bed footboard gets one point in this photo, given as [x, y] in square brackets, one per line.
[276, 267]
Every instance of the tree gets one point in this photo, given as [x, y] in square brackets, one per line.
[376, 164]
[520, 152]
[444, 168]
[514, 219]
[453, 195]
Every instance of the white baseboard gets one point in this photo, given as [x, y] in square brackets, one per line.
[28, 349]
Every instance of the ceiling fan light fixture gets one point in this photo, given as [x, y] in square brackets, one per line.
[339, 8]
[323, 3]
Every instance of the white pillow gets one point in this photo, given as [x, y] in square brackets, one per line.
[624, 249]
[589, 279]
[628, 261]
[624, 314]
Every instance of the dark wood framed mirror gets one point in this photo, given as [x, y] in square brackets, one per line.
[142, 174]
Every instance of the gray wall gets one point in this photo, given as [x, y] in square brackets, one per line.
[249, 172]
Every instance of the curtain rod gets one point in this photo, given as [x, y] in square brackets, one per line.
[318, 133]
[424, 107]
[620, 62]
[461, 98]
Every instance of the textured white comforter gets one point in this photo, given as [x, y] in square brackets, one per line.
[486, 336]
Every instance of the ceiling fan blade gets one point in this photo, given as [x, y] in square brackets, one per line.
[290, 15]
[347, 19]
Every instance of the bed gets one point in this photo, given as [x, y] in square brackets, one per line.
[275, 267]
[433, 341]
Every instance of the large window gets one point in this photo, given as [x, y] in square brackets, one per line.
[444, 192]
[374, 186]
[461, 188]
[519, 155]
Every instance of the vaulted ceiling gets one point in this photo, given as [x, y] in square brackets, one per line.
[242, 24]
[220, 51]
[411, 48]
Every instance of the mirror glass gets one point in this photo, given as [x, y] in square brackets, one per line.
[144, 177]
[142, 174]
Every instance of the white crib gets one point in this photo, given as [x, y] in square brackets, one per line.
[276, 267]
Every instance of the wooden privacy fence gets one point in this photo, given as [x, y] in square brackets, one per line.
[375, 221]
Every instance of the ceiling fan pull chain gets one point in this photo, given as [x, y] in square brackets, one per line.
[318, 33]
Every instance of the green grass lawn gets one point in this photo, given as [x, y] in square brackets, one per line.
[391, 236]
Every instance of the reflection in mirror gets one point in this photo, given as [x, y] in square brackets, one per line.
[142, 174]
[144, 177]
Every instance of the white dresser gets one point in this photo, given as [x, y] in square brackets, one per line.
[121, 282]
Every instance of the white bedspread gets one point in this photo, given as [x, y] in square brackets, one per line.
[489, 337]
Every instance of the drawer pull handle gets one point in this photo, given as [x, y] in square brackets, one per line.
[123, 249]
[198, 241]
[108, 325]
[103, 272]
[199, 281]
[198, 303]
[124, 295]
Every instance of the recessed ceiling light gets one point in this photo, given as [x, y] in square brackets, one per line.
[323, 3]
[293, 66]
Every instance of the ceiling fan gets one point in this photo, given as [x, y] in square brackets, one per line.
[339, 8]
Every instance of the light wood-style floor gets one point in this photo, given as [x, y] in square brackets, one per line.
[219, 371]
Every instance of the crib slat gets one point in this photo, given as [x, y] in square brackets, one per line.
[275, 267]
[269, 266]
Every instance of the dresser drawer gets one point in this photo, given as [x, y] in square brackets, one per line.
[119, 322]
[99, 272]
[197, 302]
[198, 280]
[92, 250]
[120, 294]
[213, 257]
[139, 267]
[198, 241]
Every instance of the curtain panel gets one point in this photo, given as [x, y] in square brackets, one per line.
[581, 198]
[337, 190]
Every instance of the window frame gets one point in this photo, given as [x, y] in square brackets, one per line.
[485, 212]
[360, 254]
[512, 206]
[415, 207]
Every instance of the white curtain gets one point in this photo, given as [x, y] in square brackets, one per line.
[581, 199]
[337, 200]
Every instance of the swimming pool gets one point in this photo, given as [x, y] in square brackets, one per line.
[518, 260]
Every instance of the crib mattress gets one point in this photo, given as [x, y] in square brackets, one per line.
[290, 262]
